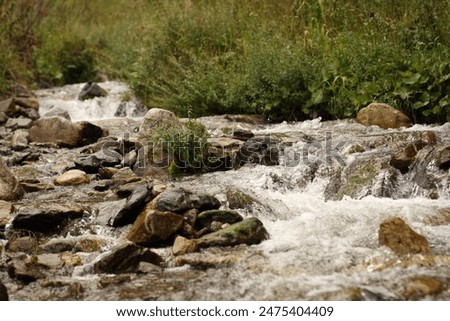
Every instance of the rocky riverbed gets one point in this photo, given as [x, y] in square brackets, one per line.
[313, 210]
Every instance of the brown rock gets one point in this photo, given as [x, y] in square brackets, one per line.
[72, 177]
[3, 293]
[62, 131]
[383, 116]
[126, 258]
[6, 209]
[183, 246]
[10, 189]
[154, 227]
[400, 238]
[422, 286]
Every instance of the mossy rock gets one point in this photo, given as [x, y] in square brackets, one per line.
[249, 231]
[205, 218]
[238, 199]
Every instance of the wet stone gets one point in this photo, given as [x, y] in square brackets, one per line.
[154, 228]
[125, 258]
[400, 238]
[205, 218]
[45, 217]
[3, 292]
[178, 200]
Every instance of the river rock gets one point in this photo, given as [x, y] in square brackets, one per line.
[423, 286]
[242, 134]
[25, 244]
[24, 268]
[3, 292]
[6, 210]
[50, 260]
[19, 139]
[134, 204]
[205, 218]
[126, 258]
[58, 245]
[27, 102]
[443, 157]
[57, 112]
[72, 177]
[93, 162]
[403, 159]
[45, 217]
[383, 116]
[183, 245]
[249, 231]
[10, 189]
[156, 119]
[91, 90]
[62, 131]
[402, 239]
[153, 228]
[8, 106]
[178, 200]
[261, 150]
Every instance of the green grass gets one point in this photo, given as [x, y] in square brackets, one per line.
[287, 60]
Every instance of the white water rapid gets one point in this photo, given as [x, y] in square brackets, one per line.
[322, 205]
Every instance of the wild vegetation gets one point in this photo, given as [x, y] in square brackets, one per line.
[287, 60]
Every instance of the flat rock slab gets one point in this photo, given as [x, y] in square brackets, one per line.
[44, 217]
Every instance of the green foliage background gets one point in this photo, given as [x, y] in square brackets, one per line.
[287, 60]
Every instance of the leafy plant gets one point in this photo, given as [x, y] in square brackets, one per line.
[186, 147]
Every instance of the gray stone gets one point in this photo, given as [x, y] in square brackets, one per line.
[91, 163]
[133, 206]
[20, 139]
[10, 189]
[57, 112]
[156, 119]
[178, 200]
[91, 90]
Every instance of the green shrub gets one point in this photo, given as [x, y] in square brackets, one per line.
[185, 147]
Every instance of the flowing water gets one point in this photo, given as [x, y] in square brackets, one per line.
[322, 205]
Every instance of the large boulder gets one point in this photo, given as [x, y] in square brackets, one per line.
[153, 228]
[62, 131]
[402, 239]
[383, 116]
[10, 189]
[156, 119]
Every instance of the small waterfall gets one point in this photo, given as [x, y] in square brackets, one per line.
[119, 102]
